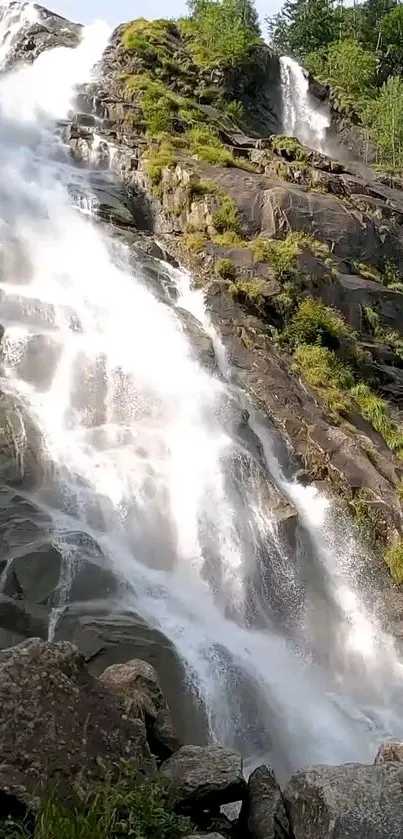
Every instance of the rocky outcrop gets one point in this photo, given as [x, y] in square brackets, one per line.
[203, 778]
[63, 732]
[352, 800]
[137, 684]
[57, 721]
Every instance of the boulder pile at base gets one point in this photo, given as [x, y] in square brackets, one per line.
[60, 727]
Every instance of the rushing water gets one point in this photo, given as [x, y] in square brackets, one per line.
[143, 460]
[303, 117]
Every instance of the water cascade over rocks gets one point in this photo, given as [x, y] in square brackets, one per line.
[141, 485]
[302, 116]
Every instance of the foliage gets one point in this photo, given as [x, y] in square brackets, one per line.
[235, 109]
[315, 323]
[375, 410]
[222, 32]
[346, 64]
[322, 370]
[229, 239]
[113, 809]
[195, 242]
[224, 268]
[303, 26]
[363, 516]
[226, 216]
[250, 291]
[394, 559]
[384, 116]
[282, 254]
[157, 160]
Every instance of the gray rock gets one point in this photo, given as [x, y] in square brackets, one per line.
[355, 801]
[56, 720]
[203, 778]
[21, 458]
[390, 752]
[263, 814]
[204, 836]
[136, 682]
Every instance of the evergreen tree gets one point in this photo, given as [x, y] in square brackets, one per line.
[373, 12]
[304, 26]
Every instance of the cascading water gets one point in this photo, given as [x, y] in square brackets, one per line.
[302, 118]
[144, 460]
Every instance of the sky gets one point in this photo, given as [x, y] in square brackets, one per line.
[117, 11]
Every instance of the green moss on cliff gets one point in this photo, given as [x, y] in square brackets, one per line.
[225, 269]
[394, 560]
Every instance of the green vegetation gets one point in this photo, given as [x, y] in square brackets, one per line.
[327, 354]
[229, 239]
[250, 291]
[226, 216]
[290, 148]
[394, 559]
[223, 32]
[224, 268]
[375, 410]
[323, 371]
[195, 242]
[113, 809]
[363, 516]
[157, 160]
[282, 254]
[358, 49]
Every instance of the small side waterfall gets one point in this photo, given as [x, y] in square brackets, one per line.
[303, 117]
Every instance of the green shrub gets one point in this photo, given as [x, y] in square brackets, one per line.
[363, 515]
[322, 370]
[235, 109]
[157, 160]
[283, 254]
[394, 560]
[226, 216]
[315, 323]
[292, 148]
[251, 291]
[229, 239]
[375, 410]
[113, 809]
[222, 33]
[195, 242]
[224, 268]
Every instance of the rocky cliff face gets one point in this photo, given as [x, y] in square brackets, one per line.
[266, 225]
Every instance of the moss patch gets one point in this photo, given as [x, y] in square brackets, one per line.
[394, 560]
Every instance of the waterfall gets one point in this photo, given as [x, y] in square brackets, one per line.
[303, 117]
[141, 458]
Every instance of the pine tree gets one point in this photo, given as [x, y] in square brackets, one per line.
[304, 26]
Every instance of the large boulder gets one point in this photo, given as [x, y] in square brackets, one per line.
[335, 802]
[391, 751]
[137, 683]
[204, 778]
[57, 721]
[263, 814]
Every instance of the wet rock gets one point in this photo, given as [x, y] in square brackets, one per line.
[136, 682]
[364, 802]
[107, 635]
[204, 778]
[390, 752]
[263, 814]
[22, 461]
[56, 720]
[200, 342]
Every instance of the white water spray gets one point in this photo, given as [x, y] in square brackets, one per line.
[144, 462]
[303, 118]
